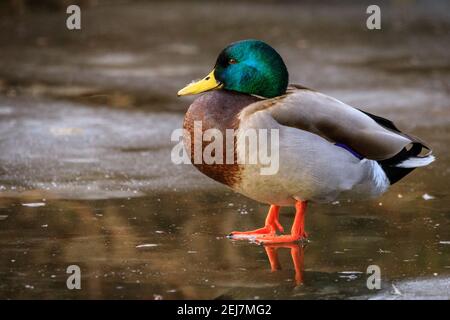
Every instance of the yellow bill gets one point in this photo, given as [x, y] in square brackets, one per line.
[207, 83]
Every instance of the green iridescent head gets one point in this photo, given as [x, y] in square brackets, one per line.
[248, 66]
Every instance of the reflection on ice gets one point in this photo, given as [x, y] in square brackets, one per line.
[85, 123]
[297, 253]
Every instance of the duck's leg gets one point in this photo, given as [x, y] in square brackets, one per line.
[297, 230]
[270, 228]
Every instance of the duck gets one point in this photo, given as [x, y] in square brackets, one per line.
[327, 149]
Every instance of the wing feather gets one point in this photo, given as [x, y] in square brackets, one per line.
[335, 121]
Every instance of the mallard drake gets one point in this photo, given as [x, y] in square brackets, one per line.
[327, 149]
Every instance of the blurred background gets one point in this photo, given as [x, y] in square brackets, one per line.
[85, 171]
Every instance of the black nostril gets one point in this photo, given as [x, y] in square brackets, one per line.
[207, 78]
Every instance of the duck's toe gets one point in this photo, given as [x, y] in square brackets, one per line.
[273, 239]
[267, 230]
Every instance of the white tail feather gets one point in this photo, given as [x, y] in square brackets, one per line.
[415, 162]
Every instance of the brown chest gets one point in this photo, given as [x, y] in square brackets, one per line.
[217, 110]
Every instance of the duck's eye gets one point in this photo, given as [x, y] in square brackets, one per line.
[232, 61]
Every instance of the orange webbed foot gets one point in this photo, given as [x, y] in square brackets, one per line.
[273, 239]
[297, 231]
[271, 227]
[266, 230]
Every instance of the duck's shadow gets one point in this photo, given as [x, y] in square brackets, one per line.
[297, 254]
